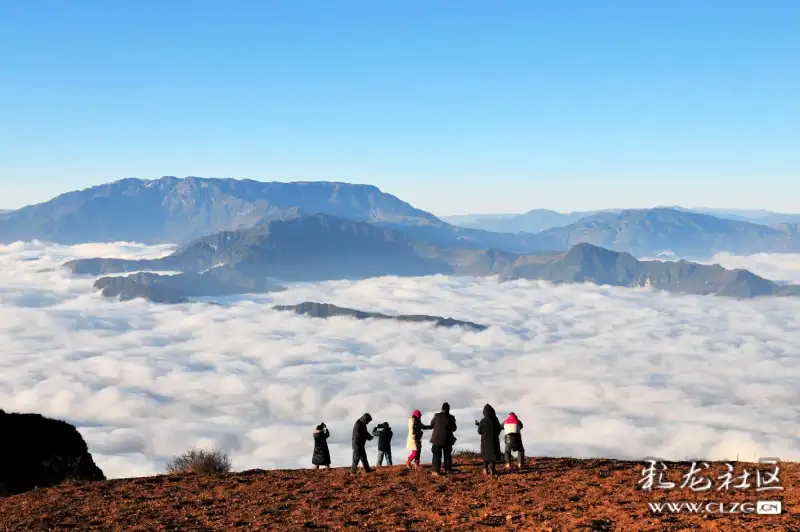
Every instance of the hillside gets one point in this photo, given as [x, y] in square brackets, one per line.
[553, 494]
[647, 232]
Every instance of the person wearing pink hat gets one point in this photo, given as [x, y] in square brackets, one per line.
[414, 441]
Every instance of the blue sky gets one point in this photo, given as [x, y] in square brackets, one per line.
[457, 107]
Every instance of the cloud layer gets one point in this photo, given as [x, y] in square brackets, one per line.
[592, 371]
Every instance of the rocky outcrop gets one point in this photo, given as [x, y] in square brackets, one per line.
[36, 451]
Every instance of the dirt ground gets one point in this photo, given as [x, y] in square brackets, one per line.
[550, 494]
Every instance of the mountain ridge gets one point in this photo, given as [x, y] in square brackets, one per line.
[648, 232]
[321, 248]
[328, 310]
[180, 210]
[539, 220]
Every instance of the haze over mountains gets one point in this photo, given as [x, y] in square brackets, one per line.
[176, 210]
[648, 232]
[243, 236]
[537, 220]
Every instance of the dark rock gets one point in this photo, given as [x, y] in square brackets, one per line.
[36, 451]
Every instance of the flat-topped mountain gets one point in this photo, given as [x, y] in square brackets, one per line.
[648, 232]
[320, 248]
[326, 310]
[176, 210]
[179, 210]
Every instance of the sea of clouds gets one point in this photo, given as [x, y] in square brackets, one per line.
[591, 371]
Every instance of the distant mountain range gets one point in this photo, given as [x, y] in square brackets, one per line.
[538, 220]
[757, 216]
[181, 210]
[534, 221]
[320, 247]
[326, 310]
[648, 232]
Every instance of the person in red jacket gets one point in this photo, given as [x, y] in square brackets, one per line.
[513, 427]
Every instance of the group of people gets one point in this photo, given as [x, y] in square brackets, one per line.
[443, 427]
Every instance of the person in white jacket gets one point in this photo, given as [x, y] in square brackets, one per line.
[414, 441]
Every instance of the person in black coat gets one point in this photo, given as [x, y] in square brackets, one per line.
[384, 434]
[489, 428]
[442, 439]
[321, 457]
[360, 437]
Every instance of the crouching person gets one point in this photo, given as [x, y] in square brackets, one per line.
[384, 434]
[513, 427]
